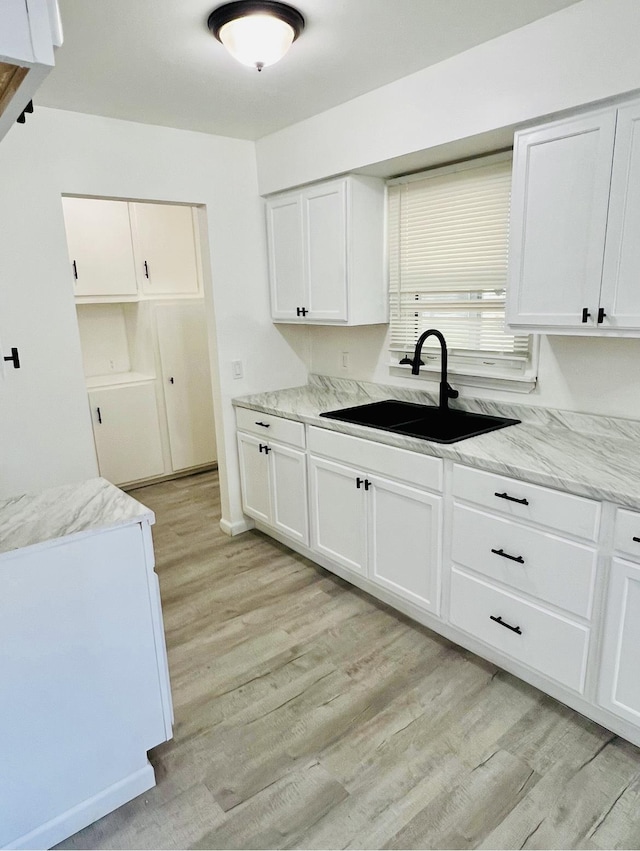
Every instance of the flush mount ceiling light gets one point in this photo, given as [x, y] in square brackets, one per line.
[256, 32]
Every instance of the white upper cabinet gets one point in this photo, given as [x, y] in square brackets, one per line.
[574, 258]
[326, 246]
[29, 32]
[122, 250]
[620, 297]
[164, 243]
[100, 247]
[561, 176]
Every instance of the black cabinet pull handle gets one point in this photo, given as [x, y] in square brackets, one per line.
[301, 311]
[585, 314]
[637, 540]
[75, 270]
[14, 357]
[171, 381]
[359, 482]
[264, 425]
[367, 484]
[499, 620]
[511, 498]
[146, 269]
[264, 448]
[99, 415]
[601, 315]
[502, 553]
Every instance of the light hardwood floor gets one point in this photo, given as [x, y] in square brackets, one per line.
[308, 715]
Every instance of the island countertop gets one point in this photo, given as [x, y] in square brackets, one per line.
[592, 456]
[41, 519]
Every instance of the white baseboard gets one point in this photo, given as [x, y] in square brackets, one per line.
[73, 820]
[236, 528]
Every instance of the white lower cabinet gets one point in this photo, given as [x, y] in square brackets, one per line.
[126, 431]
[386, 530]
[274, 485]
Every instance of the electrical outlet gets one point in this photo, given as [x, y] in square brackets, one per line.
[345, 361]
[236, 366]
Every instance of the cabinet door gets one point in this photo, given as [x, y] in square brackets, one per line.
[184, 355]
[620, 297]
[404, 541]
[127, 432]
[619, 689]
[325, 216]
[254, 478]
[289, 492]
[100, 247]
[165, 249]
[286, 266]
[558, 220]
[338, 514]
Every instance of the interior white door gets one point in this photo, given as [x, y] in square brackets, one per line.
[186, 376]
[286, 266]
[338, 513]
[254, 478]
[325, 215]
[100, 246]
[289, 492]
[404, 535]
[619, 689]
[620, 297]
[127, 432]
[559, 206]
[165, 249]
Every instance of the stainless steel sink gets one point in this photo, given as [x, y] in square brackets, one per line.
[424, 421]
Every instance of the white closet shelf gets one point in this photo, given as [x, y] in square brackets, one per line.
[116, 378]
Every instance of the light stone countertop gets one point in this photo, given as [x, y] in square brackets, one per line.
[591, 456]
[43, 519]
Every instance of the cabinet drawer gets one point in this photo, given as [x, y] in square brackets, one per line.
[422, 470]
[270, 427]
[546, 642]
[565, 512]
[626, 535]
[553, 569]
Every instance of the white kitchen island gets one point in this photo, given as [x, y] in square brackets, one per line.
[83, 668]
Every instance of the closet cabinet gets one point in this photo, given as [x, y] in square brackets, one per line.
[126, 431]
[186, 379]
[387, 529]
[126, 251]
[100, 247]
[325, 246]
[574, 258]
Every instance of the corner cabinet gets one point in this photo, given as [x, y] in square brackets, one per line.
[574, 256]
[29, 34]
[326, 263]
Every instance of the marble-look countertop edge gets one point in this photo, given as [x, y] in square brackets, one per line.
[60, 515]
[455, 452]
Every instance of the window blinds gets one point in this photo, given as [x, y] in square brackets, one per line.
[448, 242]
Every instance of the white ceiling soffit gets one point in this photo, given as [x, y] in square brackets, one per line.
[155, 61]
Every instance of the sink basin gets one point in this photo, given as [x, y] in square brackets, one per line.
[424, 421]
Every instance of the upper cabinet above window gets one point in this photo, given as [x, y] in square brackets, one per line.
[326, 261]
[29, 32]
[574, 257]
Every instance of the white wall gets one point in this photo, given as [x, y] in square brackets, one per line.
[583, 53]
[45, 430]
[588, 375]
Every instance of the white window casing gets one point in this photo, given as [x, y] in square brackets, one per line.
[448, 232]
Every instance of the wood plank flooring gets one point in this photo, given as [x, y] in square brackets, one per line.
[308, 715]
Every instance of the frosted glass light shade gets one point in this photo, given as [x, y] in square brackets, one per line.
[257, 40]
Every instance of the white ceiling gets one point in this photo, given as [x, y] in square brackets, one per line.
[154, 61]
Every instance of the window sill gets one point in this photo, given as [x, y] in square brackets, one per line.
[515, 383]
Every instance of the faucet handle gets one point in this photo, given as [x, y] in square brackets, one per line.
[410, 361]
[451, 393]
